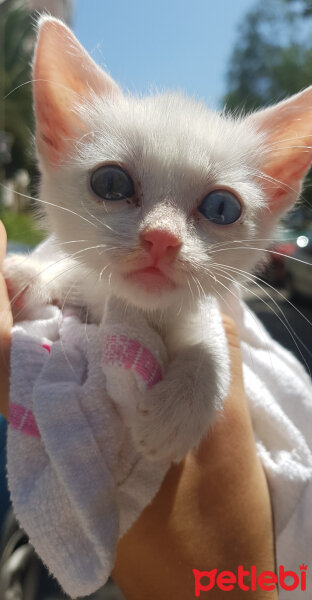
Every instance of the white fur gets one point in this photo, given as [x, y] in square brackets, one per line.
[176, 151]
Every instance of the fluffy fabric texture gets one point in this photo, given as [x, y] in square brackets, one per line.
[279, 392]
[77, 483]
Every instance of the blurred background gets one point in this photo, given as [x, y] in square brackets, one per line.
[242, 54]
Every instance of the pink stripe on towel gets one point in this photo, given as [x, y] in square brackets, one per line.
[22, 419]
[121, 351]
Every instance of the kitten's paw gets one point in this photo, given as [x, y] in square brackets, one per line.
[23, 279]
[173, 416]
[159, 441]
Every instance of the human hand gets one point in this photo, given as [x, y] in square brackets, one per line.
[6, 322]
[213, 511]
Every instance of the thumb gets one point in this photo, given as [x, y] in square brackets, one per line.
[5, 332]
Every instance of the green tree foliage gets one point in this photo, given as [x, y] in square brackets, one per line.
[272, 58]
[17, 37]
[304, 6]
[273, 55]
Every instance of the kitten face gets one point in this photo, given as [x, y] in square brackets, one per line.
[153, 245]
[159, 141]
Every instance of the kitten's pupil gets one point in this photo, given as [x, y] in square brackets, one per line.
[111, 182]
[221, 207]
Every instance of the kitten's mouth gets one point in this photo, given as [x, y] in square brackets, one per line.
[151, 279]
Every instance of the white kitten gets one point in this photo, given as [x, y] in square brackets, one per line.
[159, 203]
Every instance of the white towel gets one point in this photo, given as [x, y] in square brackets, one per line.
[279, 392]
[77, 483]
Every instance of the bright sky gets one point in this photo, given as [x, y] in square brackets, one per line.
[170, 44]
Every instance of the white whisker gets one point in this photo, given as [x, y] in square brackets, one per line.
[50, 204]
[221, 274]
[261, 250]
[50, 266]
[251, 275]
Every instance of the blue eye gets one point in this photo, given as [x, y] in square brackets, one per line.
[111, 182]
[221, 207]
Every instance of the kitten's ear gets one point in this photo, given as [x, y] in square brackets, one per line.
[64, 74]
[287, 127]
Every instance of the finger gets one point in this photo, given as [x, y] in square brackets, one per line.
[5, 311]
[236, 393]
[5, 332]
[3, 242]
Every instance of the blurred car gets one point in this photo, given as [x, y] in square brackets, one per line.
[298, 268]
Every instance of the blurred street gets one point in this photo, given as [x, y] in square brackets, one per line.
[281, 318]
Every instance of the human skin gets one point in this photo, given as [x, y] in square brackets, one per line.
[213, 510]
[5, 332]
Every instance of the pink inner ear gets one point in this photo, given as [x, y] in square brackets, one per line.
[52, 129]
[287, 176]
[287, 167]
[288, 129]
[57, 124]
[64, 74]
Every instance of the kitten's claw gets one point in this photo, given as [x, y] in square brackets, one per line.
[174, 415]
[160, 435]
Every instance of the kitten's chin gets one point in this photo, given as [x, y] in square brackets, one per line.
[151, 280]
[148, 289]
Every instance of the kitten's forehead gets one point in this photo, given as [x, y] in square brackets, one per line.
[168, 130]
[173, 147]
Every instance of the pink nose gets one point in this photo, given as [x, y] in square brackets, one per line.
[161, 243]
